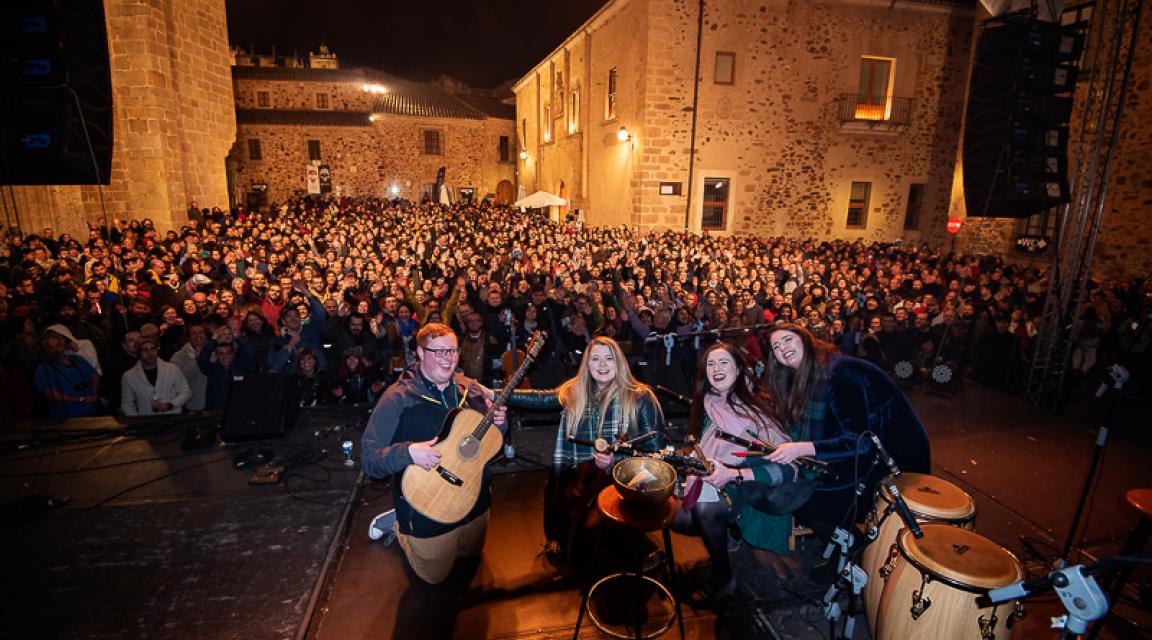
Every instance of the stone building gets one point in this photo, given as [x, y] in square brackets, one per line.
[823, 118]
[827, 119]
[174, 122]
[363, 132]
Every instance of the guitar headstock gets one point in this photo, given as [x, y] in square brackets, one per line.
[536, 343]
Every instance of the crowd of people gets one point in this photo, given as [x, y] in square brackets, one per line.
[419, 309]
[333, 292]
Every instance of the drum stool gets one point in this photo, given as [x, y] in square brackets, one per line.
[637, 522]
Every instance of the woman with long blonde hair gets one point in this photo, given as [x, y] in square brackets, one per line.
[603, 401]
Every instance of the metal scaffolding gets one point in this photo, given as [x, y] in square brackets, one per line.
[1107, 61]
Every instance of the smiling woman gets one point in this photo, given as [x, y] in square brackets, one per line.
[743, 497]
[603, 402]
[829, 403]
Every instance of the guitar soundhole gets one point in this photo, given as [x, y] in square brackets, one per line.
[469, 447]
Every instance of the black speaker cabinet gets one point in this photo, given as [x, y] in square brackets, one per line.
[262, 406]
[55, 93]
[1016, 124]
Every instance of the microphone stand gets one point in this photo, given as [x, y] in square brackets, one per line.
[1119, 376]
[510, 444]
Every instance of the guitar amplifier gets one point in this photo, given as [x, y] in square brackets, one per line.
[262, 406]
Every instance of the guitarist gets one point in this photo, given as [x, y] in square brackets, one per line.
[602, 401]
[401, 431]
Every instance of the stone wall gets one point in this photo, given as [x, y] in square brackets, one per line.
[369, 160]
[343, 95]
[774, 132]
[174, 120]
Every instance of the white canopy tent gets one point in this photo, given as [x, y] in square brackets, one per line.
[540, 199]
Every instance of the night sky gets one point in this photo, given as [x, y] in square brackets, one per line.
[479, 42]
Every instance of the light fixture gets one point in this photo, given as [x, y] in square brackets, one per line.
[523, 155]
[372, 117]
[373, 88]
[395, 190]
[622, 135]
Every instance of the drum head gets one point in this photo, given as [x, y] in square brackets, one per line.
[933, 497]
[960, 557]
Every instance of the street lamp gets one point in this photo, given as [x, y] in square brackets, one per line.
[622, 135]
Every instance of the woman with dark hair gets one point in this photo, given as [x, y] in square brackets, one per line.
[354, 382]
[314, 384]
[258, 333]
[725, 401]
[829, 403]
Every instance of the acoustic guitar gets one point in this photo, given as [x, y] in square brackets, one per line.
[447, 492]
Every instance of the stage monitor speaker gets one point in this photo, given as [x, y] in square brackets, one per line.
[56, 118]
[1016, 125]
[261, 406]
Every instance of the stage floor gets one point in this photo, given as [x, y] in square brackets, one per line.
[192, 550]
[1024, 468]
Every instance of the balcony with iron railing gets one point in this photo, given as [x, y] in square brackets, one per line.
[878, 114]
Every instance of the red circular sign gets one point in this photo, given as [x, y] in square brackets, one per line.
[954, 225]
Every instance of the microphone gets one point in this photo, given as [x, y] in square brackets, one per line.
[885, 456]
[904, 511]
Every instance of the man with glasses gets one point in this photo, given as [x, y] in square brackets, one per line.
[401, 431]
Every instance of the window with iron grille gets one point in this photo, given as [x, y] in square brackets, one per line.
[505, 149]
[313, 149]
[714, 215]
[915, 205]
[610, 110]
[858, 204]
[254, 152]
[321, 100]
[262, 100]
[432, 142]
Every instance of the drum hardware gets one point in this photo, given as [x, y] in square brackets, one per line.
[886, 568]
[848, 575]
[851, 576]
[920, 602]
[988, 626]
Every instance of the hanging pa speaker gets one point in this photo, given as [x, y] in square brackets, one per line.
[1016, 124]
[55, 93]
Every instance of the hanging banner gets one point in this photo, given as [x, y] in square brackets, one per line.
[325, 179]
[312, 178]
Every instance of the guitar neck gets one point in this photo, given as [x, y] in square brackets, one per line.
[501, 398]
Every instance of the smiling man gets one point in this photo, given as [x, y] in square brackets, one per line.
[401, 432]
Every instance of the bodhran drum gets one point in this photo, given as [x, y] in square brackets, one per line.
[934, 583]
[931, 500]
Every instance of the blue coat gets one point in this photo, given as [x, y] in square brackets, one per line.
[858, 396]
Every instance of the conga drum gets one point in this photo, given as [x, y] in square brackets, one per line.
[934, 583]
[931, 500]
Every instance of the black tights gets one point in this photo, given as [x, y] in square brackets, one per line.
[709, 521]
